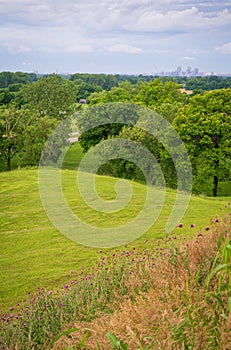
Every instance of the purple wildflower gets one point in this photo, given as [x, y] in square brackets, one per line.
[180, 225]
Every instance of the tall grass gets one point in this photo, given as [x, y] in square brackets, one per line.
[155, 298]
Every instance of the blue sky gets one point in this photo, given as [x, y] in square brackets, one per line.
[109, 36]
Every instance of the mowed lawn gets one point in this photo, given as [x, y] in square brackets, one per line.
[35, 254]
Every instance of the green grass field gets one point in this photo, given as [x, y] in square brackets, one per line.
[34, 253]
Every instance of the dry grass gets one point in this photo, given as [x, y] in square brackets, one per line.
[177, 306]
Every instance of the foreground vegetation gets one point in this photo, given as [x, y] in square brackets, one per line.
[152, 298]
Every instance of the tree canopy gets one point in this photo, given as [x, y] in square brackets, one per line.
[51, 96]
[205, 127]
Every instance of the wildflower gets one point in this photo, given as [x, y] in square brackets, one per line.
[50, 292]
[103, 257]
[71, 272]
[216, 220]
[207, 228]
[192, 225]
[82, 267]
[11, 309]
[180, 225]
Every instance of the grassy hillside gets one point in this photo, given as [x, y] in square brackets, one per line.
[34, 253]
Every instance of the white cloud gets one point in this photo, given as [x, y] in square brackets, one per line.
[177, 20]
[187, 58]
[78, 48]
[16, 48]
[125, 48]
[47, 50]
[132, 15]
[225, 48]
[162, 30]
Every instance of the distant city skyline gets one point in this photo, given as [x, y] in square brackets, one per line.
[189, 72]
[178, 72]
[111, 36]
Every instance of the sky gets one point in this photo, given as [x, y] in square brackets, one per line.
[110, 36]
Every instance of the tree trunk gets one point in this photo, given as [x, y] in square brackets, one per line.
[9, 159]
[215, 180]
[215, 185]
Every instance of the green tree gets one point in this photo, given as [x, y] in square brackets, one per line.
[156, 92]
[6, 96]
[34, 138]
[51, 96]
[205, 127]
[116, 94]
[12, 124]
[84, 90]
[161, 163]
[8, 78]
[127, 169]
[100, 122]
